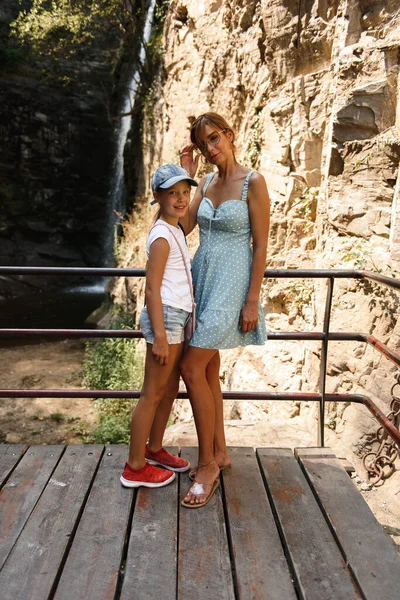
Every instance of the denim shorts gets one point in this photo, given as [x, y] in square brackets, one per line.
[175, 320]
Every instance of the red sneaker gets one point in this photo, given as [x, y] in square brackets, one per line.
[147, 476]
[167, 460]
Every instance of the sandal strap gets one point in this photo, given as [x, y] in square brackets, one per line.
[200, 489]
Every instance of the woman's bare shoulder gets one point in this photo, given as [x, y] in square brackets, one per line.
[257, 183]
[256, 177]
[203, 180]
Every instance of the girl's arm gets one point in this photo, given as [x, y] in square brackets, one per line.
[159, 252]
[189, 221]
[259, 211]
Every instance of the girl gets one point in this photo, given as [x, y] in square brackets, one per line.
[162, 321]
[231, 207]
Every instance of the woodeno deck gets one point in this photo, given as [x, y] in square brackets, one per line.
[282, 526]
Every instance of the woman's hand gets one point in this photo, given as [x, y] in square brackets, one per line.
[188, 161]
[160, 350]
[249, 316]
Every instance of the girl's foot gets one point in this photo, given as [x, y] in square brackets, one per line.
[147, 476]
[204, 486]
[167, 460]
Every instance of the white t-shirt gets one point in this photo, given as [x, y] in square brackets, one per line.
[175, 290]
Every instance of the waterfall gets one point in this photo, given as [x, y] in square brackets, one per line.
[116, 196]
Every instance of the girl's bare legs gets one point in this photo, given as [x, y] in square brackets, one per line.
[212, 374]
[193, 371]
[164, 410]
[154, 387]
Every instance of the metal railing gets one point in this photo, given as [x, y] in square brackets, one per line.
[324, 337]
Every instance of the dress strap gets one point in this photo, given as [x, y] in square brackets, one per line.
[246, 186]
[207, 183]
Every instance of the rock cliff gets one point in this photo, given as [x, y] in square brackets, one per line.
[312, 89]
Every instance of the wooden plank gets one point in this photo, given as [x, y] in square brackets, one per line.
[33, 564]
[261, 568]
[371, 554]
[9, 457]
[22, 491]
[346, 464]
[204, 569]
[150, 570]
[319, 568]
[92, 567]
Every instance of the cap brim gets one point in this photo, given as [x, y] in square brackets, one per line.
[173, 180]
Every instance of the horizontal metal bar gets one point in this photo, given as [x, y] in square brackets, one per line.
[130, 333]
[87, 271]
[388, 281]
[254, 396]
[119, 272]
[373, 408]
[136, 333]
[383, 349]
[72, 333]
[228, 395]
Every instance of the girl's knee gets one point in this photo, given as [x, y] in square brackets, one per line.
[171, 392]
[152, 398]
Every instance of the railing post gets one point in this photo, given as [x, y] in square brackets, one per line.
[324, 358]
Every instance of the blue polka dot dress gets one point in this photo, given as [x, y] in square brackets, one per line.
[221, 271]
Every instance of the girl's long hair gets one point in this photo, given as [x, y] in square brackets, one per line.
[213, 119]
[158, 215]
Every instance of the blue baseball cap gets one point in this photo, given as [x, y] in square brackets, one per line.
[168, 175]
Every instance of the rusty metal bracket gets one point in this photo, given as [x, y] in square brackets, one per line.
[379, 462]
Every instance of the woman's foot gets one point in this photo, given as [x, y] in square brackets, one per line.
[204, 486]
[223, 461]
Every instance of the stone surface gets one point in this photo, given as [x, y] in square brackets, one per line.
[314, 99]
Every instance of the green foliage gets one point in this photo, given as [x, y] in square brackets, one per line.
[112, 364]
[385, 298]
[254, 145]
[302, 293]
[359, 255]
[57, 417]
[305, 205]
[332, 422]
[62, 28]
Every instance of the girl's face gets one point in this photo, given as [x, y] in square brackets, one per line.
[174, 201]
[215, 144]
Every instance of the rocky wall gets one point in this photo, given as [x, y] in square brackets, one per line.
[312, 89]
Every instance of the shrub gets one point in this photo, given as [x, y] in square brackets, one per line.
[112, 364]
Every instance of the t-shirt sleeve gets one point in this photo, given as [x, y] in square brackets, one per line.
[158, 232]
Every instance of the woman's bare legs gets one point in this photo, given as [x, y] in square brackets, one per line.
[153, 390]
[193, 371]
[212, 374]
[164, 410]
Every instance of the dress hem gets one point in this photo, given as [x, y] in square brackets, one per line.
[228, 347]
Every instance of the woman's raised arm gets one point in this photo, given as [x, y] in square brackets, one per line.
[189, 221]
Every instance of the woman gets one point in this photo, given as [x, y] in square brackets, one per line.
[231, 207]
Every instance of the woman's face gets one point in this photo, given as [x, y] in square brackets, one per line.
[215, 144]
